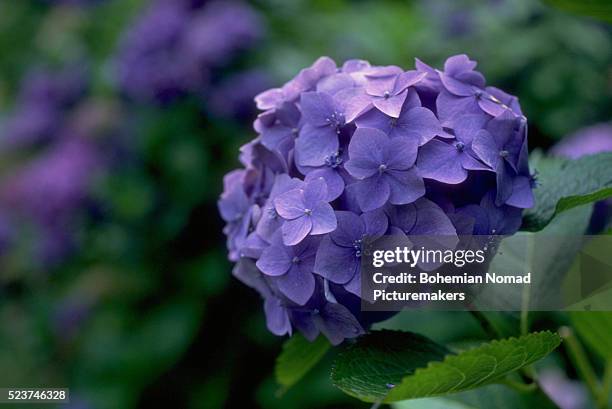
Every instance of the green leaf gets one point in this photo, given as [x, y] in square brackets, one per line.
[551, 251]
[595, 329]
[491, 396]
[365, 369]
[565, 184]
[298, 357]
[600, 9]
[382, 358]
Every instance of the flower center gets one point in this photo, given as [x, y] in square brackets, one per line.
[460, 146]
[334, 160]
[295, 260]
[504, 153]
[336, 120]
[357, 247]
[386, 94]
[295, 131]
[308, 212]
[382, 168]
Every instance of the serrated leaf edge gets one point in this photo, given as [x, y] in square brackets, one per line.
[488, 344]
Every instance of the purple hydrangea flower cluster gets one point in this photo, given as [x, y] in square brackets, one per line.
[359, 150]
[177, 47]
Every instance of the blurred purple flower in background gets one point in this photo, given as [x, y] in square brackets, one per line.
[42, 104]
[567, 394]
[178, 47]
[52, 152]
[339, 157]
[48, 189]
[233, 96]
[6, 232]
[589, 141]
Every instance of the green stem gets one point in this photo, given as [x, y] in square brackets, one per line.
[525, 310]
[519, 386]
[376, 405]
[485, 324]
[531, 387]
[526, 294]
[578, 356]
[606, 386]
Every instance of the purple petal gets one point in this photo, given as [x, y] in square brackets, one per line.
[294, 231]
[449, 106]
[284, 183]
[269, 99]
[290, 205]
[504, 183]
[408, 79]
[469, 162]
[334, 83]
[485, 148]
[376, 222]
[502, 219]
[372, 192]
[354, 286]
[391, 106]
[502, 128]
[323, 219]
[491, 107]
[401, 153]
[277, 319]
[302, 320]
[335, 263]
[472, 77]
[314, 192]
[274, 261]
[337, 323]
[420, 121]
[381, 85]
[384, 71]
[353, 102]
[403, 217]
[335, 183]
[522, 194]
[431, 220]
[350, 228]
[366, 152]
[247, 272]
[466, 126]
[296, 285]
[509, 100]
[479, 216]
[455, 87]
[442, 162]
[315, 144]
[406, 186]
[458, 64]
[317, 108]
[376, 119]
[274, 136]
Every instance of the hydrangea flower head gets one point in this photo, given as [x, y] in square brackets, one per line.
[344, 153]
